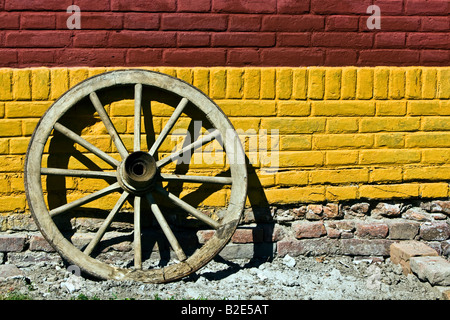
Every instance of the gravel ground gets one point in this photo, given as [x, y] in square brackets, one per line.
[300, 278]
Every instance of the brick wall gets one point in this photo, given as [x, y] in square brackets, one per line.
[224, 33]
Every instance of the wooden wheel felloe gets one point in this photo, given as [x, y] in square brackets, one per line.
[138, 176]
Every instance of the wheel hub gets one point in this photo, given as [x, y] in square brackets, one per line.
[136, 174]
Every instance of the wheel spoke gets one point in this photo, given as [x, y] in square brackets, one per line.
[78, 173]
[188, 208]
[175, 115]
[75, 137]
[137, 233]
[137, 116]
[109, 125]
[105, 225]
[166, 228]
[196, 179]
[94, 196]
[192, 147]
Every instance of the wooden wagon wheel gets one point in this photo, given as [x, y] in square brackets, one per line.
[135, 174]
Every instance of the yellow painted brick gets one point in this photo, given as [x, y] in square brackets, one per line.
[341, 193]
[443, 83]
[59, 82]
[342, 141]
[284, 83]
[268, 78]
[124, 108]
[390, 140]
[343, 108]
[11, 163]
[342, 125]
[6, 84]
[292, 178]
[185, 74]
[201, 79]
[294, 125]
[28, 126]
[397, 83]
[252, 83]
[429, 83]
[218, 83]
[296, 195]
[247, 108]
[428, 140]
[386, 156]
[300, 84]
[316, 83]
[436, 156]
[22, 84]
[4, 146]
[33, 109]
[413, 83]
[436, 123]
[348, 83]
[264, 179]
[391, 108]
[10, 128]
[428, 108]
[288, 159]
[76, 75]
[427, 173]
[341, 157]
[364, 84]
[380, 83]
[15, 203]
[168, 70]
[19, 145]
[389, 191]
[345, 176]
[2, 109]
[333, 83]
[235, 83]
[105, 203]
[40, 84]
[398, 124]
[293, 108]
[96, 71]
[295, 142]
[102, 142]
[433, 190]
[386, 174]
[246, 124]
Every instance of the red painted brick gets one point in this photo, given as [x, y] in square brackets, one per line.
[244, 22]
[194, 5]
[194, 57]
[341, 57]
[38, 39]
[388, 57]
[90, 39]
[340, 7]
[141, 21]
[429, 40]
[97, 5]
[291, 57]
[144, 57]
[390, 7]
[37, 5]
[36, 57]
[244, 6]
[243, 57]
[90, 57]
[435, 24]
[193, 39]
[392, 23]
[427, 7]
[96, 21]
[243, 39]
[434, 57]
[290, 23]
[390, 40]
[9, 20]
[341, 23]
[144, 5]
[193, 21]
[30, 20]
[8, 57]
[292, 6]
[342, 39]
[299, 39]
[135, 39]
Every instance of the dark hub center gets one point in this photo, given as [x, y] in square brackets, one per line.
[137, 172]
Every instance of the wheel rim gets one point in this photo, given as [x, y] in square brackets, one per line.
[137, 175]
